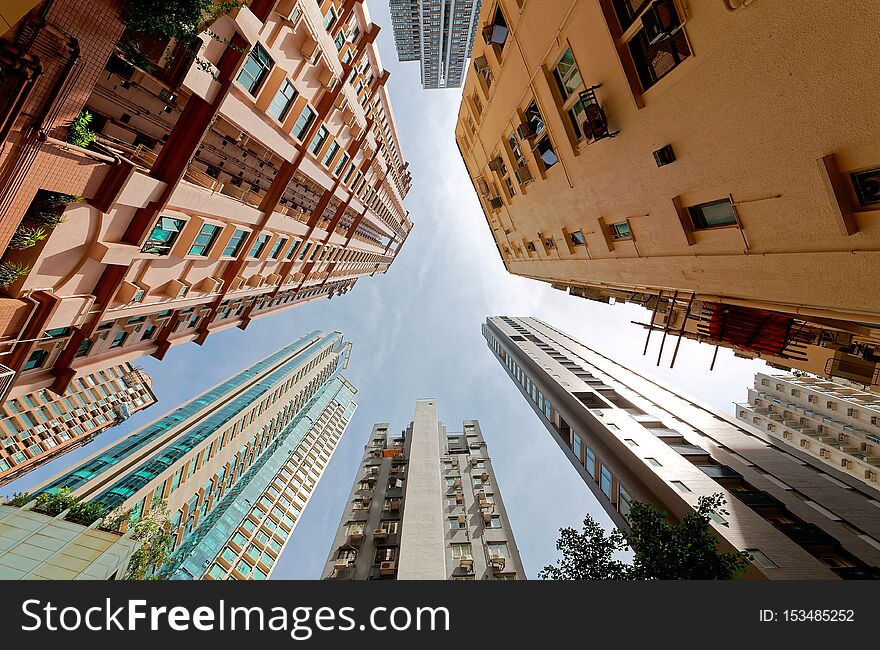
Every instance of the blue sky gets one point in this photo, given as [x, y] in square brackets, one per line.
[416, 333]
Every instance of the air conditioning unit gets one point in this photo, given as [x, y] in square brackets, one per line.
[487, 517]
[484, 477]
[481, 65]
[380, 533]
[342, 563]
[846, 463]
[525, 176]
[356, 535]
[456, 482]
[387, 568]
[497, 562]
[462, 518]
[495, 202]
[482, 186]
[466, 561]
[496, 164]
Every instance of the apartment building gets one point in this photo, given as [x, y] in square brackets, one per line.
[425, 505]
[40, 426]
[619, 155]
[437, 33]
[631, 437]
[235, 465]
[260, 173]
[836, 423]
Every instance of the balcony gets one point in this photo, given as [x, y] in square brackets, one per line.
[857, 572]
[808, 535]
[759, 501]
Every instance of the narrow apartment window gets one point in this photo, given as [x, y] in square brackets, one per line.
[331, 154]
[577, 238]
[660, 45]
[259, 245]
[303, 122]
[605, 481]
[619, 231]
[204, 240]
[319, 140]
[162, 237]
[761, 559]
[282, 101]
[277, 247]
[681, 487]
[118, 340]
[235, 242]
[715, 214]
[255, 69]
[36, 360]
[867, 186]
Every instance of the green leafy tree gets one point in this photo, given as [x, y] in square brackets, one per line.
[151, 529]
[661, 550]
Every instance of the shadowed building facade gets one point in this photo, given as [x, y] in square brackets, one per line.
[425, 506]
[437, 33]
[235, 465]
[631, 438]
[260, 173]
[619, 155]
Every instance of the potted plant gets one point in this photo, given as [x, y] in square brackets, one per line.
[11, 271]
[27, 236]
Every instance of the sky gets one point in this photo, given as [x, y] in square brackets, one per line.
[416, 334]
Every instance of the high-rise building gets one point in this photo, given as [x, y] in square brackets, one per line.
[631, 438]
[437, 33]
[235, 465]
[207, 190]
[425, 505]
[40, 426]
[619, 157]
[838, 424]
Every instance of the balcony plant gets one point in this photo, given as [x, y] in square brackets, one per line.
[152, 530]
[19, 499]
[11, 271]
[181, 20]
[53, 504]
[27, 236]
[78, 131]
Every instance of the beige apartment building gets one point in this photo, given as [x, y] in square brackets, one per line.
[836, 423]
[40, 426]
[263, 172]
[712, 161]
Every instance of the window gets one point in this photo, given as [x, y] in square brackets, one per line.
[461, 550]
[494, 522]
[235, 242]
[259, 245]
[660, 45]
[303, 122]
[624, 501]
[204, 240]
[605, 482]
[619, 231]
[577, 238]
[715, 214]
[681, 487]
[84, 348]
[319, 140]
[163, 236]
[390, 526]
[498, 549]
[292, 251]
[653, 462]
[546, 153]
[282, 101]
[534, 120]
[255, 69]
[576, 445]
[118, 340]
[590, 462]
[149, 330]
[761, 559]
[36, 360]
[456, 524]
[277, 247]
[340, 165]
[331, 154]
[567, 75]
[867, 186]
[329, 19]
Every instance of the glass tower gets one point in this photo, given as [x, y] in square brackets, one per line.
[235, 465]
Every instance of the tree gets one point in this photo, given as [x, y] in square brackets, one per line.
[661, 550]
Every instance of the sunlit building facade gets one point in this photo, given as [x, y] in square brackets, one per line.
[836, 423]
[618, 155]
[40, 426]
[632, 438]
[260, 173]
[235, 465]
[425, 505]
